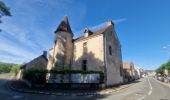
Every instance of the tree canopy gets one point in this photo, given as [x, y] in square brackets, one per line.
[4, 11]
[163, 67]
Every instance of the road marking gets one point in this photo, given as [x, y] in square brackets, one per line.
[141, 98]
[149, 93]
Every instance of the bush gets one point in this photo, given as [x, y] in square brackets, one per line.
[38, 76]
[15, 69]
[66, 71]
[35, 76]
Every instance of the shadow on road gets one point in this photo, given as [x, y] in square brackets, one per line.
[5, 86]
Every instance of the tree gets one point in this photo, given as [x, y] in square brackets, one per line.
[163, 67]
[15, 68]
[4, 11]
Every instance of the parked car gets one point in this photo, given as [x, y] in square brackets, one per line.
[166, 80]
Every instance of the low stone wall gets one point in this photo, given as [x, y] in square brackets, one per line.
[73, 78]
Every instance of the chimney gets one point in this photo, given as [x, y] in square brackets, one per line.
[45, 53]
[87, 32]
[109, 23]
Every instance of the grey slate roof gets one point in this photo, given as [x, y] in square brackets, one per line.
[64, 26]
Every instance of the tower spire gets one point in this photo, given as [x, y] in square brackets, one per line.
[64, 26]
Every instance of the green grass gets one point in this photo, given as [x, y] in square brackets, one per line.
[6, 75]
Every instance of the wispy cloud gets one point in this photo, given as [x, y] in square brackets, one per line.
[166, 47]
[116, 21]
[99, 26]
[30, 29]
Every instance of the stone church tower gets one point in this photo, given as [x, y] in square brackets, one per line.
[60, 56]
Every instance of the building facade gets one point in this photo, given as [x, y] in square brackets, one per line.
[129, 71]
[99, 51]
[38, 63]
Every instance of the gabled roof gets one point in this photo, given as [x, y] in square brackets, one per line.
[128, 65]
[98, 32]
[64, 26]
[39, 57]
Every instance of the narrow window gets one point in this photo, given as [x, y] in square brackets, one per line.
[111, 33]
[85, 48]
[110, 50]
[121, 73]
[84, 65]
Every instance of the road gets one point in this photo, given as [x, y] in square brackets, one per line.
[144, 89]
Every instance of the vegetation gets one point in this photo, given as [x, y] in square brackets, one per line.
[8, 67]
[4, 10]
[163, 67]
[38, 76]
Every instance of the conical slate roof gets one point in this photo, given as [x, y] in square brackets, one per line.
[64, 26]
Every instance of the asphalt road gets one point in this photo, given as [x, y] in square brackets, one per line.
[144, 89]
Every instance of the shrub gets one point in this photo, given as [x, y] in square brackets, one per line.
[36, 76]
[66, 71]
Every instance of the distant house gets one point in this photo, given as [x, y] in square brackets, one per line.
[166, 72]
[129, 71]
[38, 63]
[139, 72]
[98, 50]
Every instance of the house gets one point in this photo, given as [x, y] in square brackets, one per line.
[139, 72]
[129, 71]
[95, 51]
[38, 63]
[166, 72]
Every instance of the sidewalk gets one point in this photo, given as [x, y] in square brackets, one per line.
[20, 86]
[166, 84]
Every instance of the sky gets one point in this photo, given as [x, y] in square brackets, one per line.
[141, 25]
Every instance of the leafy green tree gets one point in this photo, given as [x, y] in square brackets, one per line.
[163, 67]
[4, 11]
[5, 68]
[15, 69]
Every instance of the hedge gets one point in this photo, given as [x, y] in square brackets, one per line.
[38, 76]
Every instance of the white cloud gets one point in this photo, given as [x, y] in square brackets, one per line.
[14, 53]
[116, 21]
[99, 26]
[164, 47]
[30, 29]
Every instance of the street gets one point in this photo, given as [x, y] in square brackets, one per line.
[144, 89]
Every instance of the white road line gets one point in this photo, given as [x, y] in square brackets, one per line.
[141, 98]
[150, 91]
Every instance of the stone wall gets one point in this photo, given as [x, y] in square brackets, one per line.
[114, 60]
[94, 56]
[61, 55]
[39, 62]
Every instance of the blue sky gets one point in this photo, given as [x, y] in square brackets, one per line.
[141, 25]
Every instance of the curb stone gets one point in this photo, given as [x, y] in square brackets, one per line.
[65, 94]
[47, 93]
